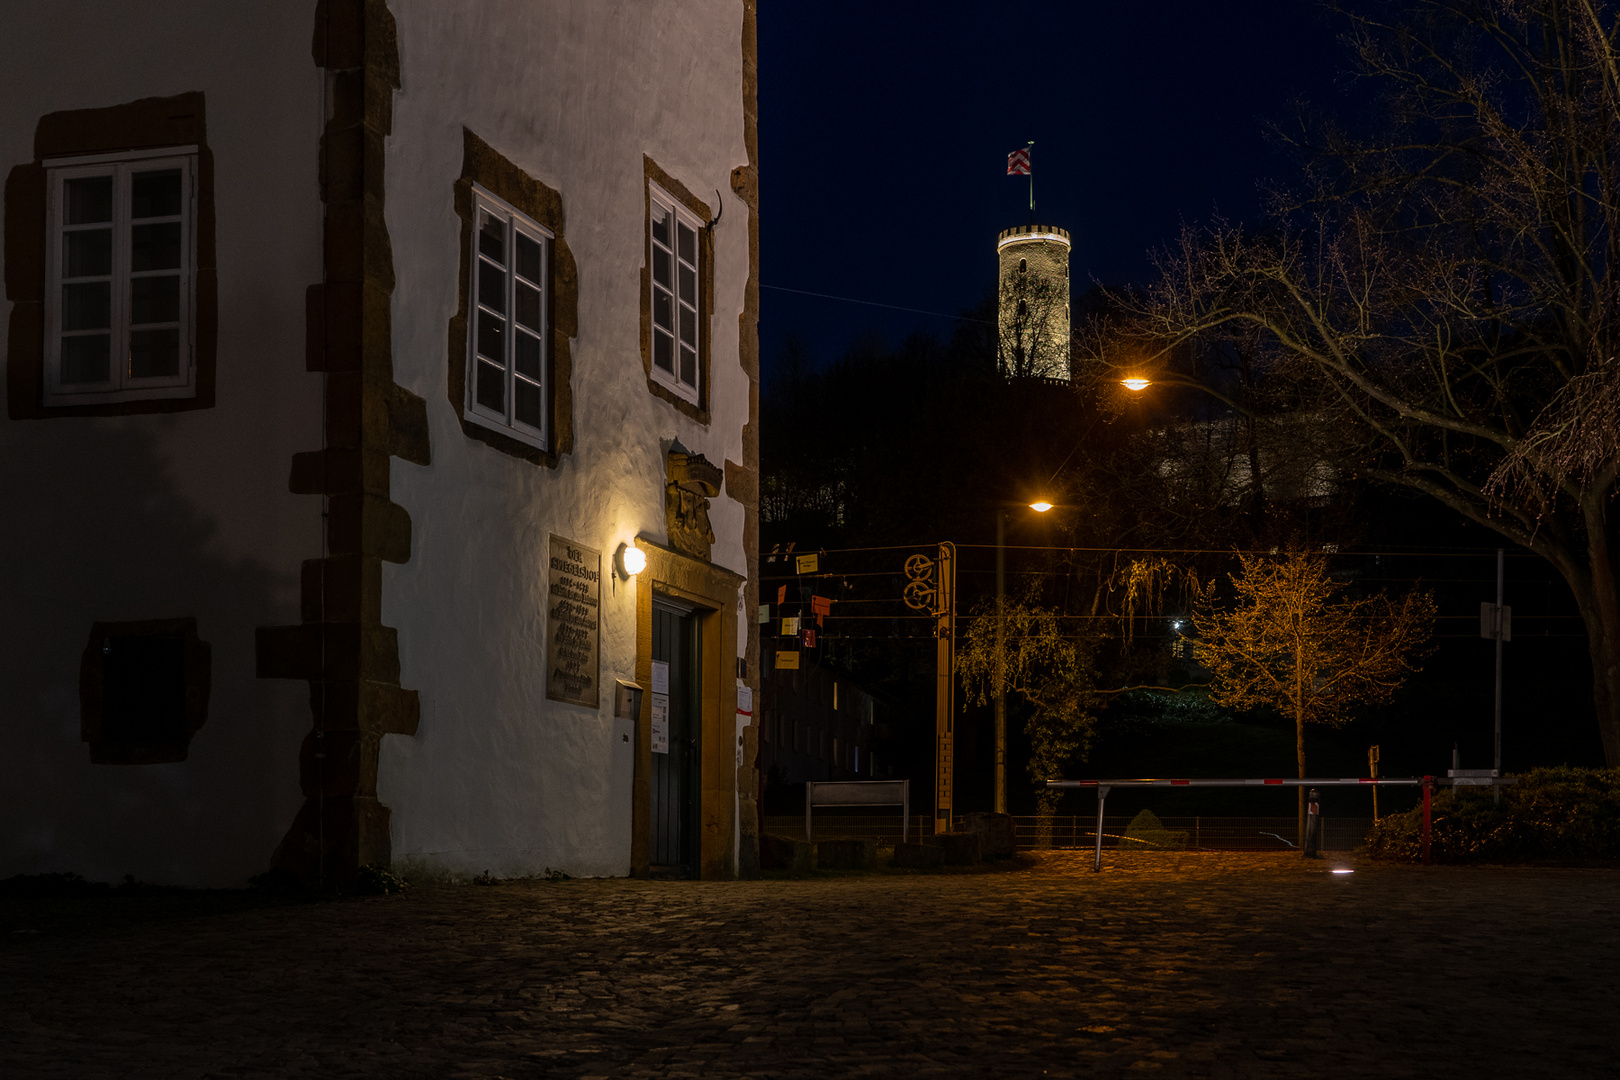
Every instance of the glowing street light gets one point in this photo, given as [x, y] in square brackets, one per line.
[1040, 507]
[1136, 383]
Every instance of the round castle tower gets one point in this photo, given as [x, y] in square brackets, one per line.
[1034, 301]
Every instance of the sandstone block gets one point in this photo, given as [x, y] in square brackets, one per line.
[846, 854]
[918, 856]
[784, 853]
[959, 848]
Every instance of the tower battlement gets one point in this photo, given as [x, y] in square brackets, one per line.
[1027, 233]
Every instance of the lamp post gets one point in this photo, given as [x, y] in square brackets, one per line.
[1040, 506]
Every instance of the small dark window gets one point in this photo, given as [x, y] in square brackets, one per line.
[143, 690]
[1023, 264]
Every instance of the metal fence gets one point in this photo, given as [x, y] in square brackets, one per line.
[1077, 831]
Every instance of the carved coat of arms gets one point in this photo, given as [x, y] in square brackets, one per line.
[691, 480]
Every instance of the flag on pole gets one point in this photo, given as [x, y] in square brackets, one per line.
[1018, 162]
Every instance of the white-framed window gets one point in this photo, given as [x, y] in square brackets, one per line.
[511, 306]
[121, 277]
[676, 299]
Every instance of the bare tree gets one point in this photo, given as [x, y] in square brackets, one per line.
[1442, 304]
[1293, 643]
[1034, 334]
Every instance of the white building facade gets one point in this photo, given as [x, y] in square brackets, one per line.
[355, 353]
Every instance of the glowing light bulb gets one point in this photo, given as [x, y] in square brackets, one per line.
[1040, 507]
[1135, 383]
[633, 560]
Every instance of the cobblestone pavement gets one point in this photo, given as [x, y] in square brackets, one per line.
[1189, 965]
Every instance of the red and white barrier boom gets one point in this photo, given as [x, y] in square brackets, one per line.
[1457, 778]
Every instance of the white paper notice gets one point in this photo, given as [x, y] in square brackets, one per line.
[745, 700]
[660, 677]
[660, 720]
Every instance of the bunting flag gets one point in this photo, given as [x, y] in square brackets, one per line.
[1018, 162]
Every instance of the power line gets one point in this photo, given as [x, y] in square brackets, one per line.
[874, 303]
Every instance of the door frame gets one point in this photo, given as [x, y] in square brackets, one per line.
[712, 592]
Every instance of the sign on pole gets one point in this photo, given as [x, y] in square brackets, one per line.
[1493, 615]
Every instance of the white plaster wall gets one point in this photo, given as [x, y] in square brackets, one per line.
[574, 93]
[159, 516]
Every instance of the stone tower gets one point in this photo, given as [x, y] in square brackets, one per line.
[1033, 313]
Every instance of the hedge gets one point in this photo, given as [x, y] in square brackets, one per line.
[1556, 815]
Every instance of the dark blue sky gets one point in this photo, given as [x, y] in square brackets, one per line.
[885, 126]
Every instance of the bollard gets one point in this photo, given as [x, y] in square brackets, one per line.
[1428, 789]
[1313, 825]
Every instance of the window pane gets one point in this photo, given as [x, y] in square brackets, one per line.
[527, 350]
[661, 268]
[84, 359]
[491, 287]
[492, 337]
[155, 194]
[89, 200]
[689, 326]
[663, 310]
[526, 403]
[689, 285]
[154, 299]
[688, 366]
[155, 247]
[87, 306]
[660, 225]
[492, 387]
[492, 238]
[154, 353]
[87, 253]
[528, 257]
[664, 351]
[527, 305]
[688, 248]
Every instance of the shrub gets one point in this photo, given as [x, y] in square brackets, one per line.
[1558, 814]
[1149, 831]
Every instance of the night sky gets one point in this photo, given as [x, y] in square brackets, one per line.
[885, 127]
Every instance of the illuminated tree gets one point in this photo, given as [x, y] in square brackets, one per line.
[1292, 642]
[1050, 670]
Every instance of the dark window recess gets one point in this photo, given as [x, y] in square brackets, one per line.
[143, 690]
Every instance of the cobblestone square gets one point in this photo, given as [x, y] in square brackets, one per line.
[1179, 965]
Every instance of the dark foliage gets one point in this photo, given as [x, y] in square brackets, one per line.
[1556, 815]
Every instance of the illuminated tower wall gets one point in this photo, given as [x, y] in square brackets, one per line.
[1034, 301]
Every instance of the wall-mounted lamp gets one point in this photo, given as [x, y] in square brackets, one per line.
[629, 560]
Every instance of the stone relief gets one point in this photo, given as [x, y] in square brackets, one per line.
[691, 480]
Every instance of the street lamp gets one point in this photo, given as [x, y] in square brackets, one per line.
[1136, 383]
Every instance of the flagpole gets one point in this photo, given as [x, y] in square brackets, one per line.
[1030, 150]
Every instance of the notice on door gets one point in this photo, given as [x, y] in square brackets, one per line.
[660, 723]
[573, 625]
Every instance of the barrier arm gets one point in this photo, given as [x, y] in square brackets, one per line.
[1459, 778]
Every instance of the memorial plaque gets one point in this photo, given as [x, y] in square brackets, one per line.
[573, 626]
